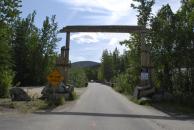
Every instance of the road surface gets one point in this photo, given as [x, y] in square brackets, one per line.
[99, 108]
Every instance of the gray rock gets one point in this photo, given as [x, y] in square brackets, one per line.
[143, 91]
[61, 89]
[144, 100]
[18, 94]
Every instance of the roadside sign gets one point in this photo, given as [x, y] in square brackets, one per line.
[144, 74]
[55, 77]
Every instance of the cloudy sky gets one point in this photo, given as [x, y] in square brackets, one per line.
[89, 46]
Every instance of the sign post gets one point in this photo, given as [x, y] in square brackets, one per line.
[55, 78]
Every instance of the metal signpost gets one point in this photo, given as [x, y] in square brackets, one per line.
[54, 79]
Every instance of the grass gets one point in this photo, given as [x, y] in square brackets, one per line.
[165, 106]
[131, 98]
[23, 106]
[34, 105]
[173, 107]
[54, 102]
[74, 96]
[140, 102]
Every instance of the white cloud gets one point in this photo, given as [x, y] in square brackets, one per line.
[108, 41]
[109, 5]
[115, 42]
[113, 38]
[82, 38]
[114, 9]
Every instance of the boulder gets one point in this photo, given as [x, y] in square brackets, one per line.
[61, 89]
[143, 91]
[18, 94]
[144, 100]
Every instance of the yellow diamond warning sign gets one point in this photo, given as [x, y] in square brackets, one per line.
[55, 77]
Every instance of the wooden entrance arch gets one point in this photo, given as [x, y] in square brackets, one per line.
[103, 29]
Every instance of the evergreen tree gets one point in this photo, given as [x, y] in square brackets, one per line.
[106, 69]
[9, 12]
[163, 44]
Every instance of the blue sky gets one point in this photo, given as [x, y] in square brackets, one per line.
[89, 46]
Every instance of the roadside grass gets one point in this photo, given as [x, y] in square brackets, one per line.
[173, 107]
[165, 106]
[75, 96]
[139, 101]
[131, 98]
[34, 105]
[23, 106]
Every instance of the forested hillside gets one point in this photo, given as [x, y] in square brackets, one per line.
[83, 64]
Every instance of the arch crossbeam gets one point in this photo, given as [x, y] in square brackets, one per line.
[104, 28]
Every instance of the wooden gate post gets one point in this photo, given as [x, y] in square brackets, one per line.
[66, 57]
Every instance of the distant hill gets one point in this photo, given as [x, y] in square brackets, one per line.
[84, 64]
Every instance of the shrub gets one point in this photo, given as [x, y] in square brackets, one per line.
[53, 101]
[6, 78]
[59, 101]
[77, 77]
[122, 83]
[73, 96]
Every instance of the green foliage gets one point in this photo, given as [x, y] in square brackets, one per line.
[6, 74]
[173, 53]
[6, 78]
[77, 77]
[100, 74]
[47, 45]
[144, 9]
[34, 50]
[171, 47]
[55, 100]
[23, 106]
[122, 83]
[9, 10]
[73, 96]
[25, 50]
[59, 101]
[91, 73]
[107, 65]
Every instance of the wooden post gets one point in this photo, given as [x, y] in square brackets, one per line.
[145, 87]
[66, 57]
[145, 60]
